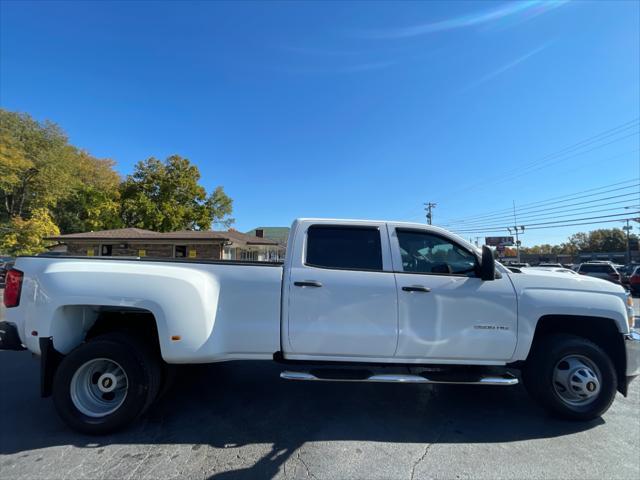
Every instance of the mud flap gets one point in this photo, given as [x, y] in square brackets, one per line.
[50, 358]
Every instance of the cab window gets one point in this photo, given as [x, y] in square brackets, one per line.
[350, 248]
[423, 252]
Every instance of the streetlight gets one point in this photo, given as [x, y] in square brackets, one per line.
[517, 229]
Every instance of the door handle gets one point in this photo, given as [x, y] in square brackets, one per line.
[308, 283]
[416, 288]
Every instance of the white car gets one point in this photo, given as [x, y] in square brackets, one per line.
[552, 269]
[406, 303]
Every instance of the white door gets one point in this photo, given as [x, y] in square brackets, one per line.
[445, 312]
[342, 299]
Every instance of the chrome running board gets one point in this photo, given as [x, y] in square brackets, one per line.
[498, 380]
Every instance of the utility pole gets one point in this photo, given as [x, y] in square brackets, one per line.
[628, 228]
[428, 207]
[517, 229]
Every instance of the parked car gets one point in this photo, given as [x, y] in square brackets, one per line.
[517, 264]
[626, 271]
[404, 303]
[555, 265]
[4, 267]
[634, 282]
[604, 270]
[552, 269]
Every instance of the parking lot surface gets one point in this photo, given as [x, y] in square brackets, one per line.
[241, 421]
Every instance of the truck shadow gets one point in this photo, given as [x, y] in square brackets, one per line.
[245, 403]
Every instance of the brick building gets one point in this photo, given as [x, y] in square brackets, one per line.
[189, 244]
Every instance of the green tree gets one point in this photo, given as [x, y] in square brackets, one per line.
[39, 169]
[94, 204]
[601, 240]
[166, 196]
[26, 237]
[34, 164]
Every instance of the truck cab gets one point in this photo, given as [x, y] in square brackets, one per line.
[393, 292]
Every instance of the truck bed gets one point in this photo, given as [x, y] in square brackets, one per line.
[205, 311]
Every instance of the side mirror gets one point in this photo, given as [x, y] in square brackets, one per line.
[488, 265]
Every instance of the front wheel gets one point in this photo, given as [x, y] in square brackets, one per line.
[571, 377]
[104, 384]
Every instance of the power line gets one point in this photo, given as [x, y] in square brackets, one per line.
[589, 140]
[523, 170]
[556, 209]
[547, 201]
[560, 214]
[526, 221]
[537, 226]
[562, 210]
[491, 218]
[553, 226]
[564, 159]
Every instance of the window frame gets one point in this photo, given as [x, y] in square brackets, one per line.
[397, 255]
[327, 226]
[186, 251]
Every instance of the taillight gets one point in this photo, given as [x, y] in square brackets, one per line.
[634, 279]
[12, 288]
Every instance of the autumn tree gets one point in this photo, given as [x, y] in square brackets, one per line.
[94, 203]
[48, 185]
[601, 240]
[166, 196]
[27, 237]
[35, 170]
[39, 169]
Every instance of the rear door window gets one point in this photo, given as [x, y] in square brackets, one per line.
[350, 248]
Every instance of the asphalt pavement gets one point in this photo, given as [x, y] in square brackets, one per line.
[240, 421]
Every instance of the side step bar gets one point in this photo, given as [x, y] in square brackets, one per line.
[498, 380]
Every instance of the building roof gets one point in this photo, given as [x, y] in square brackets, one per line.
[140, 234]
[115, 234]
[279, 234]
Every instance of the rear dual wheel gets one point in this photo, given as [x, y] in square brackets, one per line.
[106, 383]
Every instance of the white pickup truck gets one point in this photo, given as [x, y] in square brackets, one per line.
[365, 301]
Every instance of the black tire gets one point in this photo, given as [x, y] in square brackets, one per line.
[139, 363]
[539, 376]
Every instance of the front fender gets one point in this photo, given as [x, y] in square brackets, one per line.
[535, 303]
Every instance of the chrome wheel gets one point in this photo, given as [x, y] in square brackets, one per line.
[99, 387]
[576, 380]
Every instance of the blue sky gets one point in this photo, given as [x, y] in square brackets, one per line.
[358, 110]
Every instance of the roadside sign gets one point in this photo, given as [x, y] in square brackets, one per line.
[495, 241]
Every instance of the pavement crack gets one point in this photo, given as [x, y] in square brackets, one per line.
[427, 448]
[417, 462]
[304, 464]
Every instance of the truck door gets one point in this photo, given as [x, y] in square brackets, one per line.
[341, 298]
[445, 311]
